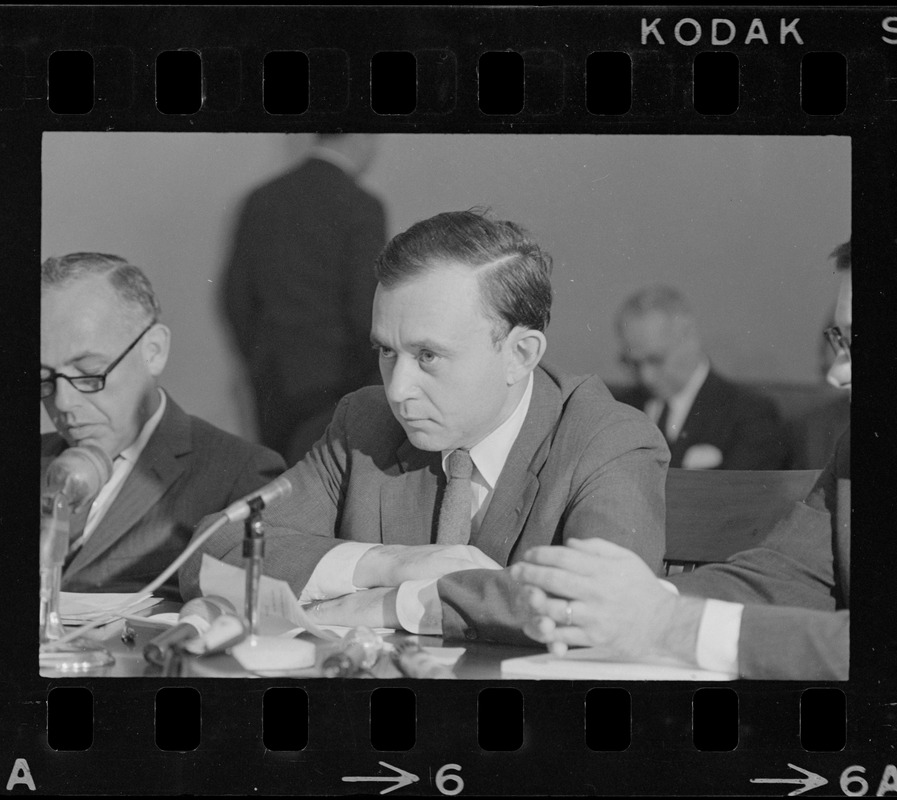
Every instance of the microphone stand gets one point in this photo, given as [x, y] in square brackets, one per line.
[80, 655]
[254, 553]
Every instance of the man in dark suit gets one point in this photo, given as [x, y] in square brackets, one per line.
[424, 489]
[776, 611]
[298, 290]
[708, 421]
[102, 351]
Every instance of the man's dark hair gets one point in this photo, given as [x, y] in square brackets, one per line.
[841, 254]
[514, 272]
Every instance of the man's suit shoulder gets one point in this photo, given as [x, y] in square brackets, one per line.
[736, 396]
[208, 436]
[313, 178]
[589, 402]
[364, 417]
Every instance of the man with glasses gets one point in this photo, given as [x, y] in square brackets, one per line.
[102, 352]
[777, 611]
[709, 422]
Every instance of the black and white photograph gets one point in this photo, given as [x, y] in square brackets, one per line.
[442, 401]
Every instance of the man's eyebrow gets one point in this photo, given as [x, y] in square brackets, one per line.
[85, 356]
[423, 344]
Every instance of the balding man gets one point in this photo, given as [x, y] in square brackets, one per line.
[102, 352]
[708, 421]
[299, 286]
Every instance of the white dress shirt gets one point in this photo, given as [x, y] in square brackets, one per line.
[680, 403]
[718, 631]
[121, 467]
[417, 604]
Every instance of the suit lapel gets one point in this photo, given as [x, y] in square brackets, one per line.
[518, 483]
[156, 470]
[408, 500]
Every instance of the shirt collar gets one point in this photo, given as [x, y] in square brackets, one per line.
[333, 157]
[132, 453]
[489, 454]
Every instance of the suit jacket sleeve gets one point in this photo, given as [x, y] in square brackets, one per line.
[615, 491]
[780, 643]
[299, 530]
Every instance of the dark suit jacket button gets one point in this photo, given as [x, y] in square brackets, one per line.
[470, 633]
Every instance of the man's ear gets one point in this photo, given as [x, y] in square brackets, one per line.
[525, 348]
[156, 342]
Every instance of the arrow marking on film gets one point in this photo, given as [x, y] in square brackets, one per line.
[401, 778]
[811, 781]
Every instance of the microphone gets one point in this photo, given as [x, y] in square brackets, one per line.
[269, 494]
[195, 619]
[78, 473]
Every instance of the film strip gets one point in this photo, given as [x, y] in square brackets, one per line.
[551, 72]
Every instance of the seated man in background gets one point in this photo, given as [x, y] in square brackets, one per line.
[780, 609]
[424, 488]
[815, 433]
[102, 351]
[709, 422]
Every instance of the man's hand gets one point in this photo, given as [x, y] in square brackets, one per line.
[392, 564]
[595, 593]
[375, 608]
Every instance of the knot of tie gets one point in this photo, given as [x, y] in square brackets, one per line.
[460, 465]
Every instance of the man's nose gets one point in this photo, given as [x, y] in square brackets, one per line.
[66, 397]
[401, 382]
[839, 371]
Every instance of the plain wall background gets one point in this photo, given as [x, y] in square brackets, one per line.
[743, 225]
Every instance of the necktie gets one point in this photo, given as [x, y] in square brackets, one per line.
[662, 420]
[454, 513]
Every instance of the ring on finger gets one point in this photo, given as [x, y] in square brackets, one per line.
[568, 614]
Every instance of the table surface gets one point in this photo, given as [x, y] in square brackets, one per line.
[480, 661]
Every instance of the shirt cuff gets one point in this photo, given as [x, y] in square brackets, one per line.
[419, 608]
[717, 646]
[333, 575]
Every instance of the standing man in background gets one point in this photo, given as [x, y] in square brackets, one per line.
[708, 422]
[299, 287]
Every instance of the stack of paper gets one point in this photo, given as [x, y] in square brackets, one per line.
[280, 613]
[585, 665]
[76, 608]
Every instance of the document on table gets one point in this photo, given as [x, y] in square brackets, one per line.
[277, 603]
[76, 608]
[584, 664]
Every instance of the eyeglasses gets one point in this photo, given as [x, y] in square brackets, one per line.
[838, 341]
[87, 384]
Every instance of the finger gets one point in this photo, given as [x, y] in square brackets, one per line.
[566, 558]
[559, 582]
[532, 600]
[597, 546]
[542, 629]
[557, 649]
